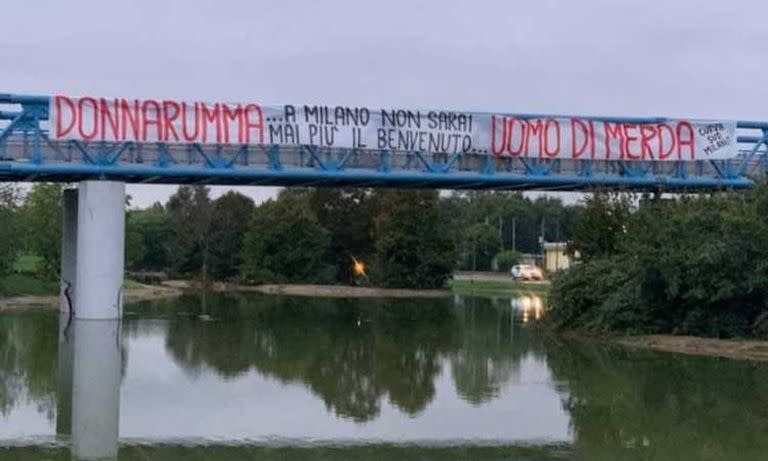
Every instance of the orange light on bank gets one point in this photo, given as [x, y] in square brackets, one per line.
[358, 267]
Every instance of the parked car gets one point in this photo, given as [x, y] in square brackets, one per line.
[526, 272]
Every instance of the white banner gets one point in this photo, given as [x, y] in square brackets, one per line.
[151, 121]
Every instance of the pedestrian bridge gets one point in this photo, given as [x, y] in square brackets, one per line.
[101, 144]
[30, 152]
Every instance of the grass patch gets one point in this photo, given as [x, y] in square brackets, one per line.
[23, 284]
[498, 287]
[28, 264]
[130, 284]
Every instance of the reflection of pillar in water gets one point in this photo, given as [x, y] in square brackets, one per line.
[64, 384]
[96, 389]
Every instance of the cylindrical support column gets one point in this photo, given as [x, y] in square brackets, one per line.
[68, 250]
[100, 250]
[96, 389]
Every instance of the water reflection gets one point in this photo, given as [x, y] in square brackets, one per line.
[528, 307]
[628, 404]
[28, 362]
[89, 373]
[65, 367]
[253, 377]
[493, 345]
[352, 357]
[96, 389]
[270, 368]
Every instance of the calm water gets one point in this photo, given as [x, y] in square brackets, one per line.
[236, 377]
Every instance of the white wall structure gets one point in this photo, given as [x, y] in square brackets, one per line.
[96, 389]
[68, 249]
[100, 250]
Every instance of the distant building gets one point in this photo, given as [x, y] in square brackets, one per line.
[555, 256]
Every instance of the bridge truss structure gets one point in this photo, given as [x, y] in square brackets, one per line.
[27, 153]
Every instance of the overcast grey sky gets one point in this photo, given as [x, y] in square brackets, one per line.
[605, 57]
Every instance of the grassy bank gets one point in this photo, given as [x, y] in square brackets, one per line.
[24, 284]
[496, 287]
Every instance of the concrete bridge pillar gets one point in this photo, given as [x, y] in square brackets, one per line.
[68, 250]
[100, 247]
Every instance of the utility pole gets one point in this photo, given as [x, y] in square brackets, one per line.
[514, 233]
[542, 240]
[501, 234]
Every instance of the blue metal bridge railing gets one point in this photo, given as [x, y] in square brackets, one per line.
[28, 154]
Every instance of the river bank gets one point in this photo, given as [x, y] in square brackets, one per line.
[141, 292]
[324, 291]
[456, 286]
[737, 349]
[693, 345]
[135, 292]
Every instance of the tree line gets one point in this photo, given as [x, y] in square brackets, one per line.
[402, 238]
[688, 265]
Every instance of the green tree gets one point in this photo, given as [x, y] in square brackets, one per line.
[347, 216]
[134, 242]
[285, 242]
[507, 259]
[456, 219]
[9, 226]
[485, 241]
[41, 225]
[411, 248]
[190, 210]
[157, 235]
[231, 215]
[601, 224]
[149, 237]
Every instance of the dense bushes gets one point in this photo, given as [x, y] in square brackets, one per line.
[694, 265]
